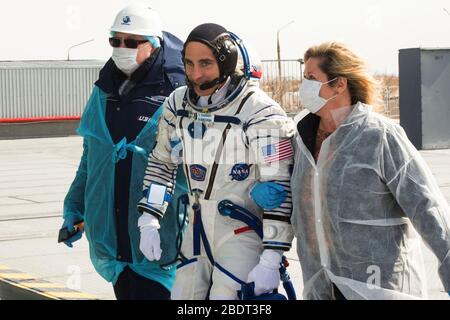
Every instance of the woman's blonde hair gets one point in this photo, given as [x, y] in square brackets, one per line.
[337, 60]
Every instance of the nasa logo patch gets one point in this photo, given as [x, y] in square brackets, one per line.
[240, 171]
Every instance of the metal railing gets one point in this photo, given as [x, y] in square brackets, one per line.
[283, 89]
[391, 101]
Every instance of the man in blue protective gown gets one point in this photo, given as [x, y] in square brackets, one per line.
[118, 128]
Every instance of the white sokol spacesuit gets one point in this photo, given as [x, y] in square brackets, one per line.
[242, 137]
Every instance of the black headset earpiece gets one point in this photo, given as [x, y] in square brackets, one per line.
[227, 54]
[226, 47]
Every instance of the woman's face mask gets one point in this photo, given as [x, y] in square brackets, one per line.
[309, 94]
[125, 59]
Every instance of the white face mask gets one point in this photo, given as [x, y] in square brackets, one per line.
[125, 59]
[309, 95]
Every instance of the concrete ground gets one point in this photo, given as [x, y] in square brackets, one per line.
[35, 175]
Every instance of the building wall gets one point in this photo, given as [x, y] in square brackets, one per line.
[425, 96]
[46, 88]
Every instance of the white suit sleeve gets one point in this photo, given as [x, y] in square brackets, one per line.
[416, 191]
[269, 133]
[162, 162]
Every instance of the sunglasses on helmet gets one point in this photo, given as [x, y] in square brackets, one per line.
[129, 43]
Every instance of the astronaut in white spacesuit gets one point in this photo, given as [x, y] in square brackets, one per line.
[236, 151]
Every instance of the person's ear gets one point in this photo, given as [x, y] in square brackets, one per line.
[341, 84]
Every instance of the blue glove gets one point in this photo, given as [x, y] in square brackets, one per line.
[69, 222]
[268, 195]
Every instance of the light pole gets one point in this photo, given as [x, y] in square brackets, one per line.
[279, 49]
[76, 45]
[280, 87]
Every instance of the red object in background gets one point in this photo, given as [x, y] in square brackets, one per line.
[38, 119]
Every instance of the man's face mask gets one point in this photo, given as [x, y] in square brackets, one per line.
[309, 94]
[125, 59]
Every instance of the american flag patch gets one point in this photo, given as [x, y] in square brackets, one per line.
[277, 151]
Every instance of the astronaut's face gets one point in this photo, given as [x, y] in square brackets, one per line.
[201, 67]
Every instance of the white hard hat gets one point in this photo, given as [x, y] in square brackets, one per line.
[138, 19]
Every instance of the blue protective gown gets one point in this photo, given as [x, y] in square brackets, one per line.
[92, 194]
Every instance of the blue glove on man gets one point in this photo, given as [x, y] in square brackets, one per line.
[268, 195]
[69, 222]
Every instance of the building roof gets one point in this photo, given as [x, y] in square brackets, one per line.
[35, 64]
[426, 49]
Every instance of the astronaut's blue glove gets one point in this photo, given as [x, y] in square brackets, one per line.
[71, 222]
[268, 195]
[448, 293]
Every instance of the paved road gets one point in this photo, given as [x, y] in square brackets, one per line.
[34, 177]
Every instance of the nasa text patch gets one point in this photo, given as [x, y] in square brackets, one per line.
[240, 171]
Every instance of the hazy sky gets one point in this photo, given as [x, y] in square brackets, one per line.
[45, 29]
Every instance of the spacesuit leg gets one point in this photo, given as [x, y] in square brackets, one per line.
[192, 280]
[235, 258]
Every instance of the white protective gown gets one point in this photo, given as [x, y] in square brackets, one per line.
[359, 211]
[223, 165]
